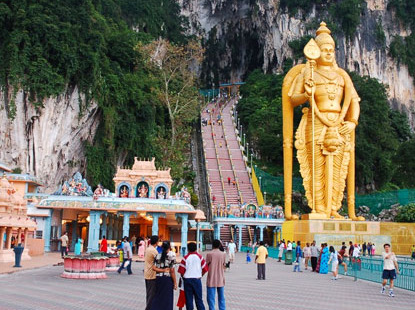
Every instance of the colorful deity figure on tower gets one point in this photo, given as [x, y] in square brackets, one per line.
[325, 138]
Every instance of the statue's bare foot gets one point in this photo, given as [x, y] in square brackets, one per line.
[336, 215]
[358, 218]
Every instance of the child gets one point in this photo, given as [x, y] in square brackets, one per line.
[248, 257]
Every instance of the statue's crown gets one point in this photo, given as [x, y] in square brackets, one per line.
[323, 35]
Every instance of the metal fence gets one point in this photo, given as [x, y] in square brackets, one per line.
[376, 201]
[369, 269]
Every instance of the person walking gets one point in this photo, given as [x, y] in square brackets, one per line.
[334, 260]
[281, 249]
[260, 260]
[324, 266]
[104, 245]
[150, 274]
[351, 249]
[343, 254]
[298, 257]
[369, 249]
[390, 269]
[314, 255]
[231, 250]
[165, 278]
[216, 261]
[307, 255]
[64, 244]
[134, 244]
[364, 248]
[128, 256]
[192, 268]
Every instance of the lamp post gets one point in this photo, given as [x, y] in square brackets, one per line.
[252, 155]
[200, 216]
[244, 140]
[265, 198]
[260, 184]
[240, 134]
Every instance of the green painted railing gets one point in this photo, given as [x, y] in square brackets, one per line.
[370, 269]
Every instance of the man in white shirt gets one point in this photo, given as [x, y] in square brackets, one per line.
[289, 246]
[390, 269]
[231, 250]
[356, 251]
[281, 250]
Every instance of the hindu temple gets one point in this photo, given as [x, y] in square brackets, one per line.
[141, 206]
[15, 225]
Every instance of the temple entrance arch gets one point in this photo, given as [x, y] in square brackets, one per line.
[142, 190]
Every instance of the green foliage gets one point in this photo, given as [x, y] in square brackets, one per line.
[406, 214]
[403, 51]
[380, 33]
[375, 145]
[405, 11]
[346, 13]
[260, 112]
[298, 46]
[17, 170]
[50, 47]
[405, 170]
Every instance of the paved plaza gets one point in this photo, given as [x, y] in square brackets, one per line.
[43, 288]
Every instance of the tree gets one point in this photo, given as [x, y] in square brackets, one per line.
[406, 214]
[175, 66]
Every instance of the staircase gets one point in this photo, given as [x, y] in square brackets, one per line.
[228, 178]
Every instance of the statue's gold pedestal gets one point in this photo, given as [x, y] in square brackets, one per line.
[333, 232]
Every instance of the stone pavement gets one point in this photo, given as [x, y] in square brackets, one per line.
[43, 288]
[36, 262]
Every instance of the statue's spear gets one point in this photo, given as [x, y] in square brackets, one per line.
[312, 53]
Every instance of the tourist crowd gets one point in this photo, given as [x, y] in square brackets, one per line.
[325, 256]
[161, 277]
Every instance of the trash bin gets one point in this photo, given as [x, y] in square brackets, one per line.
[18, 251]
[289, 257]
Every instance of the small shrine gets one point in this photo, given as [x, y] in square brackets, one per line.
[76, 186]
[14, 222]
[143, 181]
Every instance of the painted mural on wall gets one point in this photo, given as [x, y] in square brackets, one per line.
[76, 186]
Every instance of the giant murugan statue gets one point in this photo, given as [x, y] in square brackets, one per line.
[325, 137]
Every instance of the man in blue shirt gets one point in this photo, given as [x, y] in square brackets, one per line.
[298, 256]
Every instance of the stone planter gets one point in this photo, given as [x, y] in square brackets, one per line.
[84, 267]
[113, 263]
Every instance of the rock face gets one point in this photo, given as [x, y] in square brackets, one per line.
[386, 215]
[47, 142]
[246, 34]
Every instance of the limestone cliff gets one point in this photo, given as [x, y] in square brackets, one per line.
[47, 142]
[255, 33]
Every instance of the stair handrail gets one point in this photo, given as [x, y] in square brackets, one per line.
[217, 159]
[240, 145]
[231, 160]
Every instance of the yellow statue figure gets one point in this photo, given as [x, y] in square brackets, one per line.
[325, 137]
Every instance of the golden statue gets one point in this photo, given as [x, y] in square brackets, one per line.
[325, 137]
